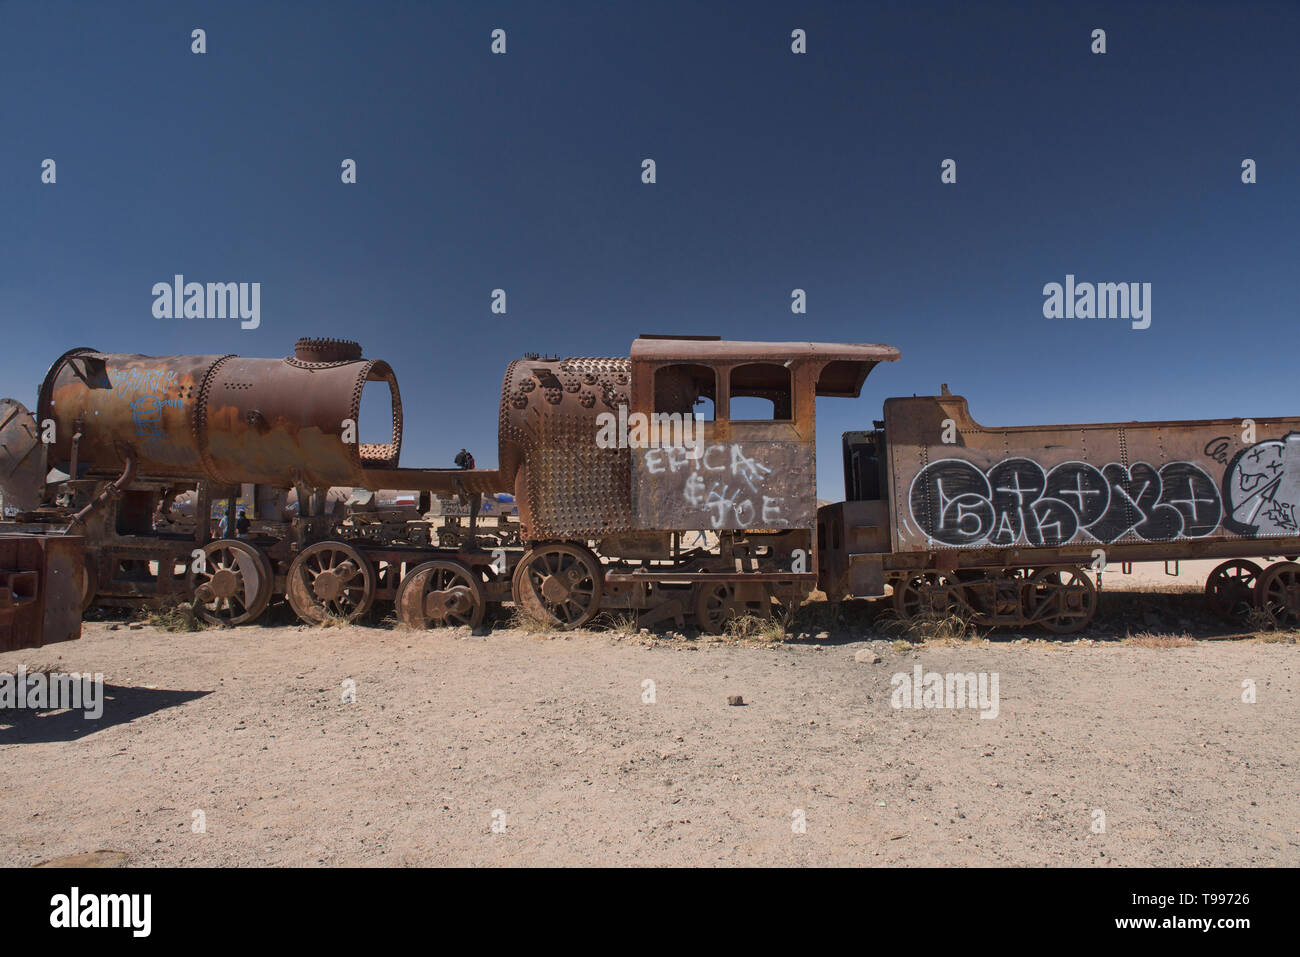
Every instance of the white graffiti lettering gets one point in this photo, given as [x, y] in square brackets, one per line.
[1016, 501]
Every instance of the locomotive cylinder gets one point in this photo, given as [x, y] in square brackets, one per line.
[225, 419]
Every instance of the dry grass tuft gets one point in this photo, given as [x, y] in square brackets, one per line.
[949, 629]
[179, 617]
[1257, 619]
[624, 623]
[331, 620]
[1147, 639]
[1278, 637]
[1266, 630]
[520, 620]
[753, 628]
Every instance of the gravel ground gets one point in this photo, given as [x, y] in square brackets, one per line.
[553, 737]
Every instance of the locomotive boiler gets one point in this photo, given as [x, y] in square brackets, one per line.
[224, 419]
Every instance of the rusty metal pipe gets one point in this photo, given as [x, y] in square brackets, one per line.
[110, 491]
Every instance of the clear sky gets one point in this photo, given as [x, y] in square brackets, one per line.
[775, 171]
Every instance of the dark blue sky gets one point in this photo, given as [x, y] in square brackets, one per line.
[775, 171]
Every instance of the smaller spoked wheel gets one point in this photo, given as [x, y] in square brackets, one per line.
[1230, 588]
[1278, 594]
[330, 581]
[440, 594]
[1061, 598]
[234, 583]
[559, 584]
[928, 594]
[716, 603]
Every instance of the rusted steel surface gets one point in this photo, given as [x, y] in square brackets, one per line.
[565, 485]
[852, 540]
[109, 492]
[841, 367]
[738, 575]
[225, 419]
[440, 481]
[1187, 488]
[442, 592]
[740, 475]
[733, 485]
[21, 459]
[40, 589]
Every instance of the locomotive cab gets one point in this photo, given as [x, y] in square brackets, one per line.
[751, 464]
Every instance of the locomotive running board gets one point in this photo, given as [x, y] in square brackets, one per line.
[659, 575]
[446, 481]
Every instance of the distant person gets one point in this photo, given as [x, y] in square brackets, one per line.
[464, 460]
[242, 524]
[222, 526]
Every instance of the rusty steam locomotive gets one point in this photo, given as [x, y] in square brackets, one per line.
[1003, 524]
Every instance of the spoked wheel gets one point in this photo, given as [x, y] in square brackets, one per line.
[716, 603]
[1278, 594]
[234, 585]
[1062, 599]
[331, 580]
[559, 584]
[440, 594]
[929, 593]
[1230, 588]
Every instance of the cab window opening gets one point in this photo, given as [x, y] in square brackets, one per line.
[760, 392]
[686, 389]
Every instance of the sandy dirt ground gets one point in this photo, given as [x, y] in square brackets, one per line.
[531, 749]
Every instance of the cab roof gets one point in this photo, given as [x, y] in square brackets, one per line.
[846, 364]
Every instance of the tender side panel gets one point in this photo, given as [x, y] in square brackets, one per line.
[1120, 484]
